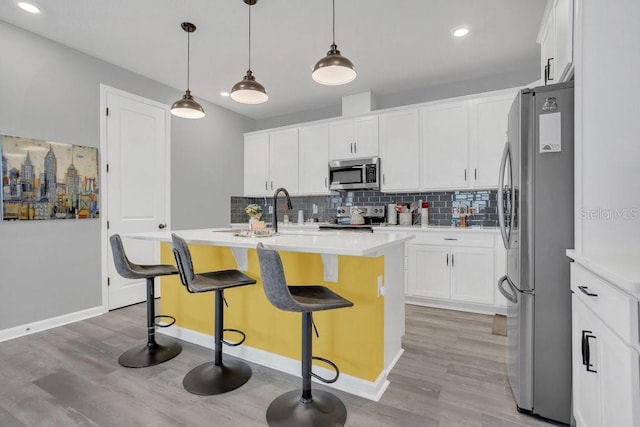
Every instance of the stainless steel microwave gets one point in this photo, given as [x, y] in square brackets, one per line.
[355, 174]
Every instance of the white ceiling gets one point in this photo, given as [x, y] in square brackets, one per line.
[396, 45]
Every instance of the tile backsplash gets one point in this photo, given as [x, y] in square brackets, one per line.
[442, 205]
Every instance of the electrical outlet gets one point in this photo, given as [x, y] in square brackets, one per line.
[380, 286]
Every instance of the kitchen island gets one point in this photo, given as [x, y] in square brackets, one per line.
[368, 269]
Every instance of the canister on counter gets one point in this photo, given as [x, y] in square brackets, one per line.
[392, 215]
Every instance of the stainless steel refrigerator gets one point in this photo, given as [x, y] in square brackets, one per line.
[535, 210]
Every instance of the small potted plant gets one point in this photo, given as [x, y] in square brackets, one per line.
[255, 213]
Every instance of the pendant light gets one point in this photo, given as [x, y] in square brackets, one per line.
[187, 107]
[334, 69]
[248, 90]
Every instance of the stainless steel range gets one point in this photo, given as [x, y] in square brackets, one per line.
[358, 218]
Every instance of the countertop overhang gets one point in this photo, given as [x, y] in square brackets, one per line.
[350, 243]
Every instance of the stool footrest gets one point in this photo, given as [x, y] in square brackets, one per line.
[237, 331]
[330, 363]
[160, 317]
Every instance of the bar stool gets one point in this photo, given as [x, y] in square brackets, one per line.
[153, 352]
[299, 407]
[215, 377]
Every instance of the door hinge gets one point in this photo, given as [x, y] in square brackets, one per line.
[107, 225]
[108, 281]
[107, 111]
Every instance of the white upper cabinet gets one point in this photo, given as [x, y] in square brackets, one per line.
[283, 160]
[556, 41]
[314, 159]
[256, 164]
[271, 161]
[400, 150]
[353, 138]
[487, 138]
[445, 146]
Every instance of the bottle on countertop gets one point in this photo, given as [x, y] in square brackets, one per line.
[424, 214]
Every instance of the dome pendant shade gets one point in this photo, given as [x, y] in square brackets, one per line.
[249, 91]
[187, 107]
[334, 69]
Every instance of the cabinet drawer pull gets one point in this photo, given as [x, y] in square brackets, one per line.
[450, 238]
[585, 290]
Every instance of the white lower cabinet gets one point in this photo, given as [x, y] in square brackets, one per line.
[606, 380]
[452, 270]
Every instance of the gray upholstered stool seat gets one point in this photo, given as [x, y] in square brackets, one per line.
[215, 377]
[154, 351]
[299, 408]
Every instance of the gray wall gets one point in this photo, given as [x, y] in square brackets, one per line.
[524, 77]
[51, 92]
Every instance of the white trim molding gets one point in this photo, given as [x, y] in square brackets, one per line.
[54, 322]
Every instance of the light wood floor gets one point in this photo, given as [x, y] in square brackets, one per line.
[451, 374]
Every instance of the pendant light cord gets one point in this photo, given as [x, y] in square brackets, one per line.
[334, 21]
[188, 56]
[249, 37]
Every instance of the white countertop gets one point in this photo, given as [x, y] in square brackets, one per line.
[386, 228]
[623, 272]
[301, 240]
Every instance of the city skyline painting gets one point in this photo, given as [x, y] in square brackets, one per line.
[48, 180]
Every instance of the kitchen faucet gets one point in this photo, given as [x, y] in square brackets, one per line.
[275, 206]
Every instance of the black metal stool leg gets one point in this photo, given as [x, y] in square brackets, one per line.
[299, 408]
[153, 352]
[215, 377]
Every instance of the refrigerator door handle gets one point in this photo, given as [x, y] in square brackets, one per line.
[501, 220]
[511, 297]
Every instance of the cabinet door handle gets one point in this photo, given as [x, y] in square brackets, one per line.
[586, 352]
[547, 71]
[272, 185]
[465, 174]
[351, 145]
[585, 290]
[475, 174]
[451, 260]
[266, 185]
[447, 260]
[355, 147]
[383, 179]
[325, 182]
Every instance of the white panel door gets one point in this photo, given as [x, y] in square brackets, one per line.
[256, 164]
[472, 274]
[283, 160]
[445, 151]
[137, 184]
[400, 150]
[428, 271]
[489, 135]
[313, 143]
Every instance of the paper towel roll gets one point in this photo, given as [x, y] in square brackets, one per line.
[392, 215]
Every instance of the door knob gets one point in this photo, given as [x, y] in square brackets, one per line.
[162, 226]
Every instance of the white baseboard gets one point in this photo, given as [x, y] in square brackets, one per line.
[363, 388]
[54, 322]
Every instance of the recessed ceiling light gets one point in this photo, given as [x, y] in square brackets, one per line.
[460, 31]
[28, 7]
[224, 93]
